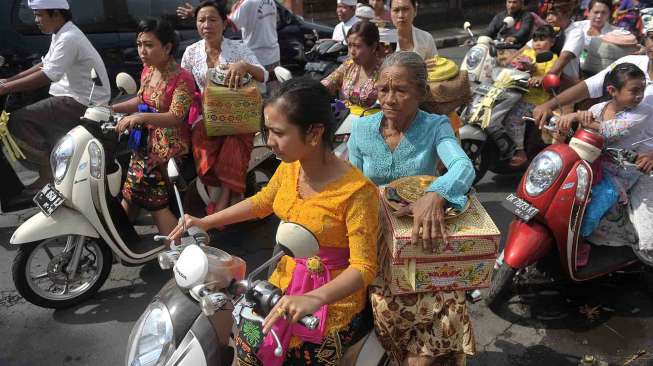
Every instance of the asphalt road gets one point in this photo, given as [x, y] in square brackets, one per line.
[547, 324]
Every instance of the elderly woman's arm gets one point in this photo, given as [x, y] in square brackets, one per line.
[454, 185]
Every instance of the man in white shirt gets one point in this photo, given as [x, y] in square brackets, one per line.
[346, 10]
[67, 68]
[257, 19]
[574, 42]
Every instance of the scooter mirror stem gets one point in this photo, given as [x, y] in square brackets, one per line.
[555, 97]
[639, 142]
[260, 269]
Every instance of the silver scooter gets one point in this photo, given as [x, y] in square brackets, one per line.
[192, 320]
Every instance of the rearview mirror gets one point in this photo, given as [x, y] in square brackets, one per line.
[173, 170]
[544, 57]
[191, 267]
[509, 22]
[126, 83]
[96, 79]
[296, 241]
[551, 82]
[282, 74]
[467, 25]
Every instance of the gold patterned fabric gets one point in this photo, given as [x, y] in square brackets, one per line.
[425, 324]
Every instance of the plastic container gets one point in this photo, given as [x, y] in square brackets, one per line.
[223, 268]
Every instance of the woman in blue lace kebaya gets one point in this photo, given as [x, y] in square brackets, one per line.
[424, 328]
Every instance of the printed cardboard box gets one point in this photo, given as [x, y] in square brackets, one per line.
[408, 276]
[466, 263]
[473, 234]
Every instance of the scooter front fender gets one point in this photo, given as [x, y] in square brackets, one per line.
[63, 221]
[472, 132]
[527, 243]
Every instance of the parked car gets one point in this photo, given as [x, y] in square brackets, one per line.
[110, 26]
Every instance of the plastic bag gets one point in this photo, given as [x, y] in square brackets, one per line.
[604, 195]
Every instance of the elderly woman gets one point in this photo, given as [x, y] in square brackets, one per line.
[221, 161]
[403, 14]
[356, 77]
[162, 103]
[331, 198]
[402, 141]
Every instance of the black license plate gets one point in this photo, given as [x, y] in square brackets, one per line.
[519, 207]
[49, 199]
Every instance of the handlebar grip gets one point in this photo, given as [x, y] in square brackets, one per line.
[310, 321]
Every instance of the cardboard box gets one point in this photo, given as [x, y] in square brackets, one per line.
[467, 262]
[413, 275]
[471, 235]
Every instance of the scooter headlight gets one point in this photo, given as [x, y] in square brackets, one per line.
[474, 57]
[583, 182]
[151, 342]
[60, 157]
[543, 171]
[96, 158]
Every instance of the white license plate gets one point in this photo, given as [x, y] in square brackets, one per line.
[519, 207]
[49, 199]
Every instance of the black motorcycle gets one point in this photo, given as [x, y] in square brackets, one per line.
[325, 56]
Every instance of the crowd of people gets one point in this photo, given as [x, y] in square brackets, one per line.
[334, 198]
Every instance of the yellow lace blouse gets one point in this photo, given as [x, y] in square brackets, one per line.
[344, 214]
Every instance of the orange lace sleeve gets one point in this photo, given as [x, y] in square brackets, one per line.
[262, 201]
[362, 220]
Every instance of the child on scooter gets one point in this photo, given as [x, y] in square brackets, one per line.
[622, 120]
[543, 40]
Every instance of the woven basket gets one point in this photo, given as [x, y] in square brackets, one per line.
[472, 235]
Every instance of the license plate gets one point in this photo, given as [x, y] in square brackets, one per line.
[519, 207]
[49, 199]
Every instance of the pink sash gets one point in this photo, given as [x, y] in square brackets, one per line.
[303, 281]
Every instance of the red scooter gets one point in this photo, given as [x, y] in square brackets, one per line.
[549, 206]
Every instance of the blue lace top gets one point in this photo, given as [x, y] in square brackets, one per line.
[428, 139]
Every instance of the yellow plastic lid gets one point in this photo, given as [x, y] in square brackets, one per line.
[444, 69]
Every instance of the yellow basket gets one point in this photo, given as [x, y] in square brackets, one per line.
[444, 69]
[359, 111]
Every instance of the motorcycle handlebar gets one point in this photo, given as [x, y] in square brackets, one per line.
[310, 321]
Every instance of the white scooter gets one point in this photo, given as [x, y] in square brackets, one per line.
[67, 249]
[182, 330]
[481, 59]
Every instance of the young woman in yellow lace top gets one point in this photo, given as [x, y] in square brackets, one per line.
[328, 196]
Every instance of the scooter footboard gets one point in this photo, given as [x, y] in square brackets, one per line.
[527, 243]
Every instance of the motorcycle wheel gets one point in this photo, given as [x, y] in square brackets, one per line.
[45, 261]
[474, 150]
[500, 288]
